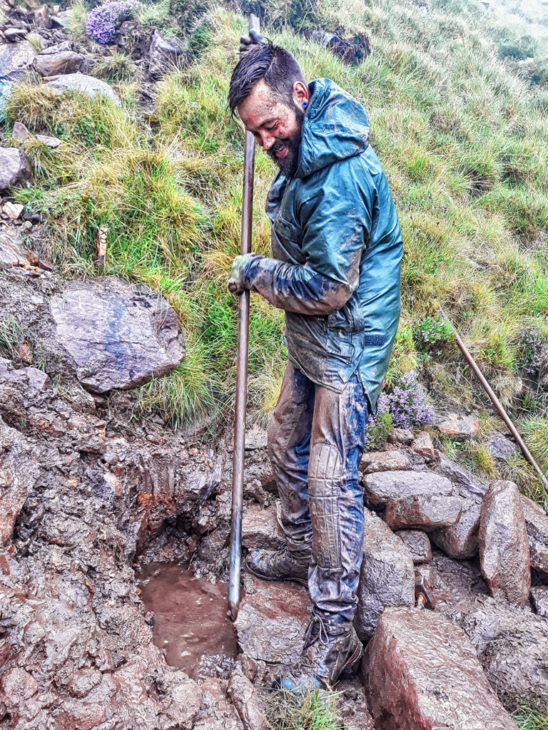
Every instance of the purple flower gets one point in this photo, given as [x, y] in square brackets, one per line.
[408, 402]
[532, 351]
[104, 20]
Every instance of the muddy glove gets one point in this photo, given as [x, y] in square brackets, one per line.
[247, 42]
[236, 281]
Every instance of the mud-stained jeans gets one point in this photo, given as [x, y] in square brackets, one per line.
[315, 442]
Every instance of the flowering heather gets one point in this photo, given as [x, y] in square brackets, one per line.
[104, 20]
[431, 332]
[408, 402]
[533, 349]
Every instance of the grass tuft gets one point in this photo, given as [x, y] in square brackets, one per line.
[315, 710]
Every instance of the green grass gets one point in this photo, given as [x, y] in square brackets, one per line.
[528, 719]
[315, 710]
[462, 136]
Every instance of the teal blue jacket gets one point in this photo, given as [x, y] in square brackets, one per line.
[336, 249]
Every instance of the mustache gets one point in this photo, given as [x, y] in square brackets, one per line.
[278, 146]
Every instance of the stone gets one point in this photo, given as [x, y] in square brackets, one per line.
[88, 85]
[12, 35]
[20, 132]
[246, 701]
[458, 425]
[539, 596]
[51, 64]
[387, 576]
[503, 544]
[260, 529]
[458, 587]
[424, 446]
[14, 168]
[115, 334]
[15, 60]
[536, 523]
[5, 92]
[466, 483]
[422, 512]
[164, 53]
[216, 712]
[42, 17]
[512, 646]
[418, 544]
[272, 620]
[500, 447]
[382, 487]
[422, 672]
[400, 436]
[51, 142]
[13, 210]
[396, 460]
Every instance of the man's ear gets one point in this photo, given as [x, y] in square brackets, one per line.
[300, 94]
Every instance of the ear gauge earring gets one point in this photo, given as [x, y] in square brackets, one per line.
[305, 104]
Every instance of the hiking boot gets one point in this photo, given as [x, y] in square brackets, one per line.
[279, 564]
[331, 647]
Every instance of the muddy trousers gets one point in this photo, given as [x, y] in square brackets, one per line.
[315, 442]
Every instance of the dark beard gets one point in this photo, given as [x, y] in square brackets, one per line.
[288, 164]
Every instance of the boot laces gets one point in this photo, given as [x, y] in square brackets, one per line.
[317, 629]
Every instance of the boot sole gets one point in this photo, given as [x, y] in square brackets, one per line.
[257, 574]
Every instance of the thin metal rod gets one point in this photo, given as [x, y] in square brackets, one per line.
[498, 405]
[241, 379]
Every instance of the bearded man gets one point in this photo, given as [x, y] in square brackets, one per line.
[335, 270]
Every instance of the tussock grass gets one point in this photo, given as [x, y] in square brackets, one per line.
[529, 719]
[314, 710]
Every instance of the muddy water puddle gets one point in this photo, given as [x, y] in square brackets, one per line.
[190, 620]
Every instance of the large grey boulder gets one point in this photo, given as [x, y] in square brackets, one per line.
[424, 512]
[418, 544]
[503, 544]
[382, 487]
[387, 576]
[421, 672]
[16, 59]
[88, 85]
[14, 168]
[536, 523]
[115, 334]
[512, 645]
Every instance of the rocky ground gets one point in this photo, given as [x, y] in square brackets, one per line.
[88, 495]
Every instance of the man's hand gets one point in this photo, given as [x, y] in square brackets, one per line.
[235, 280]
[247, 42]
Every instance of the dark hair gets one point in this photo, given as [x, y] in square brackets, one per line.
[273, 64]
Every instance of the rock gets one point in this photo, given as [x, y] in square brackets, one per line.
[458, 425]
[244, 698]
[260, 529]
[458, 587]
[424, 446]
[12, 210]
[418, 544]
[255, 438]
[116, 335]
[5, 91]
[12, 35]
[536, 523]
[20, 132]
[421, 672]
[422, 512]
[15, 60]
[503, 544]
[400, 436]
[51, 142]
[272, 620]
[386, 578]
[42, 17]
[61, 20]
[396, 460]
[19, 471]
[352, 705]
[466, 483]
[216, 712]
[539, 594]
[500, 447]
[84, 84]
[51, 64]
[14, 168]
[382, 487]
[164, 53]
[512, 645]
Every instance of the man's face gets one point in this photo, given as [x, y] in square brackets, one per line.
[275, 125]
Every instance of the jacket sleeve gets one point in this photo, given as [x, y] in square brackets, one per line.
[336, 221]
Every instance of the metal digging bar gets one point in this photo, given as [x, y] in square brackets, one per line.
[241, 379]
[498, 405]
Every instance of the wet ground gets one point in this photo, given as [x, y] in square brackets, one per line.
[190, 616]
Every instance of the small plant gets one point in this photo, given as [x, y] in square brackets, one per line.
[408, 402]
[432, 334]
[532, 352]
[10, 335]
[378, 427]
[104, 20]
[313, 710]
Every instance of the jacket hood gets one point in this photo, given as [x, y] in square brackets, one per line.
[335, 127]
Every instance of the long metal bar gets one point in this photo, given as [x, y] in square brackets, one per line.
[498, 405]
[241, 378]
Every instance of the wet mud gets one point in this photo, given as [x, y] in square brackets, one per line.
[190, 617]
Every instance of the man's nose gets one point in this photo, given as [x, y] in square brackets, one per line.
[266, 140]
